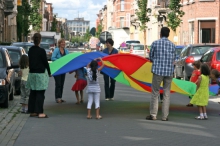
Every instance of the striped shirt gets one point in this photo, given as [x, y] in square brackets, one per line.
[93, 86]
[162, 55]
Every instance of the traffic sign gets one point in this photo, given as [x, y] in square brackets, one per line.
[104, 36]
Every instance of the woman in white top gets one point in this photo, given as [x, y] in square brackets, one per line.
[24, 71]
[93, 88]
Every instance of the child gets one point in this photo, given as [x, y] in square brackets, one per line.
[195, 75]
[80, 84]
[201, 96]
[93, 89]
[214, 76]
[24, 71]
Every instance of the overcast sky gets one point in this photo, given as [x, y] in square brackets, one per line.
[69, 9]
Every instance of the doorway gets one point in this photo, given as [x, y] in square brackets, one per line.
[206, 35]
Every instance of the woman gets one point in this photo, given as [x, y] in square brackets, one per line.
[38, 78]
[59, 79]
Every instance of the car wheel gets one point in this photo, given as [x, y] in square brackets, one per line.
[11, 96]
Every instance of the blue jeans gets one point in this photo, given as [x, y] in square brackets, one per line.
[109, 91]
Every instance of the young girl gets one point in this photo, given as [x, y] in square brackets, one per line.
[24, 71]
[93, 88]
[201, 96]
[195, 75]
[80, 84]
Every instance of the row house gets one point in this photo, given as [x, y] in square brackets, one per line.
[62, 24]
[8, 25]
[200, 22]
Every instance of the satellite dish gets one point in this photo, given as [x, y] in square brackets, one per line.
[104, 36]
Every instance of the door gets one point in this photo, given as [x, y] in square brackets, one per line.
[207, 58]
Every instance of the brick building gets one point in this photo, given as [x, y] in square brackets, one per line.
[200, 22]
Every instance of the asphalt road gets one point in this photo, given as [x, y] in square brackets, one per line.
[123, 122]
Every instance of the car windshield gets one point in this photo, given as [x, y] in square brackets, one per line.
[124, 49]
[1, 60]
[200, 50]
[138, 47]
[129, 42]
[178, 51]
[48, 40]
[45, 46]
[15, 56]
[26, 47]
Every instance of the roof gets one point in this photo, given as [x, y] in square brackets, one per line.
[22, 43]
[11, 47]
[206, 44]
[179, 46]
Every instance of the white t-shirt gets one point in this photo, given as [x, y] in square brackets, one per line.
[25, 73]
[93, 86]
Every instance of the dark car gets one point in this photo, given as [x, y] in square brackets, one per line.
[7, 76]
[212, 58]
[46, 47]
[50, 40]
[15, 55]
[188, 55]
[25, 45]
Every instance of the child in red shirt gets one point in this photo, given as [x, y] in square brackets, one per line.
[195, 75]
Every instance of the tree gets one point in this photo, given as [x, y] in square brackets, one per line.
[143, 18]
[175, 14]
[92, 31]
[87, 35]
[35, 18]
[62, 33]
[23, 22]
[99, 31]
[54, 24]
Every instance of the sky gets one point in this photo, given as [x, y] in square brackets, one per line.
[71, 9]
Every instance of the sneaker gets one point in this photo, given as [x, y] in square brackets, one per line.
[199, 118]
[111, 98]
[107, 99]
[206, 117]
[150, 117]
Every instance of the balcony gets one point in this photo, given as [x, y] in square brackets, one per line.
[9, 6]
[164, 4]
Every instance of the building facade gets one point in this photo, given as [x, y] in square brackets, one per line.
[78, 25]
[200, 22]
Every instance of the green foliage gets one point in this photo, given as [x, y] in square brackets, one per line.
[87, 35]
[99, 31]
[23, 23]
[142, 13]
[54, 24]
[77, 39]
[93, 31]
[62, 33]
[35, 18]
[175, 14]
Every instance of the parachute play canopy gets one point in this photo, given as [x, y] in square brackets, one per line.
[128, 69]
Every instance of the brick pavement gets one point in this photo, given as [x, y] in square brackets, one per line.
[11, 122]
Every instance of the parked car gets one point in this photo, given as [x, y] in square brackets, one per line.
[15, 55]
[212, 58]
[123, 50]
[189, 54]
[132, 41]
[138, 49]
[25, 45]
[7, 76]
[46, 47]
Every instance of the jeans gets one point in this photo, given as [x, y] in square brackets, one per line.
[59, 83]
[109, 91]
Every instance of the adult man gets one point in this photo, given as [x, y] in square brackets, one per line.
[109, 91]
[162, 55]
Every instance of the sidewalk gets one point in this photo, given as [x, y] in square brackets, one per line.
[11, 122]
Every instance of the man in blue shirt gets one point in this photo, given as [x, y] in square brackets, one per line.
[162, 55]
[109, 91]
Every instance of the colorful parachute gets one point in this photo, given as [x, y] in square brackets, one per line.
[128, 69]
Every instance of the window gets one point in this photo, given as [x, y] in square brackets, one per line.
[1, 60]
[15, 56]
[122, 5]
[207, 56]
[121, 21]
[191, 30]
